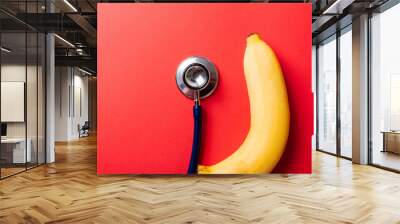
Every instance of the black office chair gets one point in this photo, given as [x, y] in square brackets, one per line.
[84, 130]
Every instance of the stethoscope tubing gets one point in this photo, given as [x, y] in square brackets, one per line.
[194, 159]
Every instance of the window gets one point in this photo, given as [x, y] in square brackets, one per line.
[385, 89]
[346, 75]
[327, 96]
[394, 102]
[314, 82]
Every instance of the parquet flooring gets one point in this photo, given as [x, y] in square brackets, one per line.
[10, 171]
[69, 191]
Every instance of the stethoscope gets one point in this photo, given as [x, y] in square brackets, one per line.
[197, 78]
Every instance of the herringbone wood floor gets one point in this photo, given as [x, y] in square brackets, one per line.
[69, 191]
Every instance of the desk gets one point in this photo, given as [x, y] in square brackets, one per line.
[391, 141]
[13, 150]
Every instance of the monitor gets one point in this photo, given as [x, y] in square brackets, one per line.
[3, 129]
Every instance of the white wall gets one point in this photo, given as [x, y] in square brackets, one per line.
[62, 82]
[71, 102]
[80, 84]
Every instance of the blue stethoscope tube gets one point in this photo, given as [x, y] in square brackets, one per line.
[194, 159]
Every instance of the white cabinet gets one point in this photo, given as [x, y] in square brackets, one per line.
[17, 146]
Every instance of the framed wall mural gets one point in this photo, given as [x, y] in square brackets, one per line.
[218, 88]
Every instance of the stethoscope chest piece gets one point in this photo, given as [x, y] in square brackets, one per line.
[196, 75]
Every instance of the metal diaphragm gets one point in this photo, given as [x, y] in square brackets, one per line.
[197, 74]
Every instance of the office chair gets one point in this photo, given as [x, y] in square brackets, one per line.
[84, 130]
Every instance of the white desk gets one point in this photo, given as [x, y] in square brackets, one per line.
[18, 150]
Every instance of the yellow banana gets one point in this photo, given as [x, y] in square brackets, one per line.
[269, 114]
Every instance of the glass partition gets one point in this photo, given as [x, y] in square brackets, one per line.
[14, 153]
[22, 101]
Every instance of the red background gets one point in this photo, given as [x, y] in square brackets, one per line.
[146, 124]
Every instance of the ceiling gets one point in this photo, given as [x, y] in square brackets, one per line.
[75, 22]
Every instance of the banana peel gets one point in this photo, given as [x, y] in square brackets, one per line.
[266, 140]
